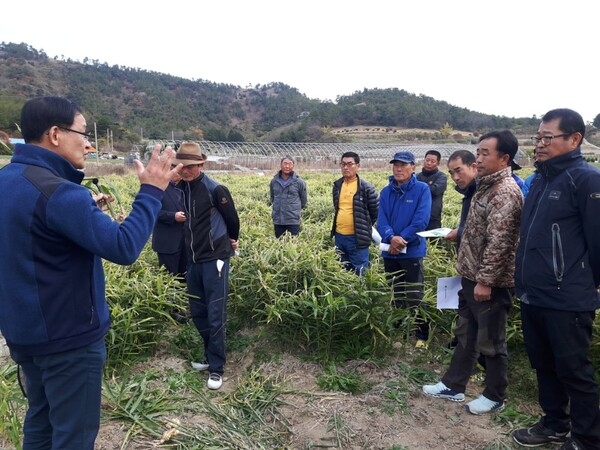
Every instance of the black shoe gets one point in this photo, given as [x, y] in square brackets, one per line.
[179, 316]
[571, 444]
[453, 343]
[538, 435]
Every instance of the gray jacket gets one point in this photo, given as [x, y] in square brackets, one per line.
[288, 198]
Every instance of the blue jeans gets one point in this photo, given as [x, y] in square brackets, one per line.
[208, 288]
[353, 258]
[64, 394]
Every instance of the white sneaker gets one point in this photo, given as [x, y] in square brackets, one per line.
[483, 405]
[215, 381]
[440, 390]
[200, 365]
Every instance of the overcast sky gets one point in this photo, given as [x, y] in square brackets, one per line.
[513, 58]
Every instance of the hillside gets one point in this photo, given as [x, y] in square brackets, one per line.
[135, 104]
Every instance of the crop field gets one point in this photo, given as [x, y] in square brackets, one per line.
[315, 355]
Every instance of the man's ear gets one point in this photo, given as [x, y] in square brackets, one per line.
[52, 135]
[577, 140]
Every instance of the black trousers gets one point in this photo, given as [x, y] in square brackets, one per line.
[406, 278]
[294, 230]
[558, 344]
[481, 329]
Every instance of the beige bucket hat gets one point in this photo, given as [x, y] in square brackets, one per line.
[188, 154]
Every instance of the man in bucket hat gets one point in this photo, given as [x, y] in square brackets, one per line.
[211, 237]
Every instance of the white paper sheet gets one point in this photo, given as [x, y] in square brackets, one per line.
[447, 292]
[437, 232]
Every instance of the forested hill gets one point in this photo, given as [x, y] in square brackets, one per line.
[133, 102]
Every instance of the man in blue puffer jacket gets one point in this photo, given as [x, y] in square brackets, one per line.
[556, 278]
[53, 311]
[404, 210]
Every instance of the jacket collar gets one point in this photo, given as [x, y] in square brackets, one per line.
[292, 175]
[404, 186]
[468, 190]
[554, 166]
[428, 173]
[39, 156]
[493, 178]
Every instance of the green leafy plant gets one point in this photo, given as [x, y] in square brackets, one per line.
[114, 205]
[12, 405]
[350, 381]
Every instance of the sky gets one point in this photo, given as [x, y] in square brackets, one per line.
[508, 58]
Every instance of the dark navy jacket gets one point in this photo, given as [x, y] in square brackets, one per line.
[558, 258]
[167, 236]
[467, 193]
[52, 239]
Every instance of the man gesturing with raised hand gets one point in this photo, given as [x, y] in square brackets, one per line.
[52, 288]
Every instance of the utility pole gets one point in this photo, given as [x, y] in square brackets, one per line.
[96, 143]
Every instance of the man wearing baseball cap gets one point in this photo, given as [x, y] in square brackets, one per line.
[404, 210]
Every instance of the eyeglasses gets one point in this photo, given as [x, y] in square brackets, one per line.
[87, 136]
[547, 140]
[347, 164]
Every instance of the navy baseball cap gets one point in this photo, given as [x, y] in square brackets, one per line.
[405, 157]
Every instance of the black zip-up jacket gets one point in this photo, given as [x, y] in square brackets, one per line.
[437, 182]
[558, 258]
[211, 220]
[365, 209]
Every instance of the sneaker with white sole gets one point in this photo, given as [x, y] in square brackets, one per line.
[215, 381]
[200, 365]
[483, 405]
[538, 435]
[440, 390]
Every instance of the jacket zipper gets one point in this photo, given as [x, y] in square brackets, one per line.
[558, 257]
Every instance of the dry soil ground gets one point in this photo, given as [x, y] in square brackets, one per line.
[367, 421]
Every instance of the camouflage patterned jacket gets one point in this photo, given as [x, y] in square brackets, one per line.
[491, 235]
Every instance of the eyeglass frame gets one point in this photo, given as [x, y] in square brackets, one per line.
[88, 136]
[536, 140]
[348, 164]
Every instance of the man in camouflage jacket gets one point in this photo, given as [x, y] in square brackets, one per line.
[486, 263]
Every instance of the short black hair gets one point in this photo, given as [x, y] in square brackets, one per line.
[352, 155]
[41, 113]
[569, 121]
[467, 157]
[435, 153]
[507, 143]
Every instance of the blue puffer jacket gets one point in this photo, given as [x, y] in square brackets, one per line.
[558, 258]
[404, 211]
[53, 236]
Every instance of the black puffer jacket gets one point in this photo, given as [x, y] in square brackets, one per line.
[365, 208]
